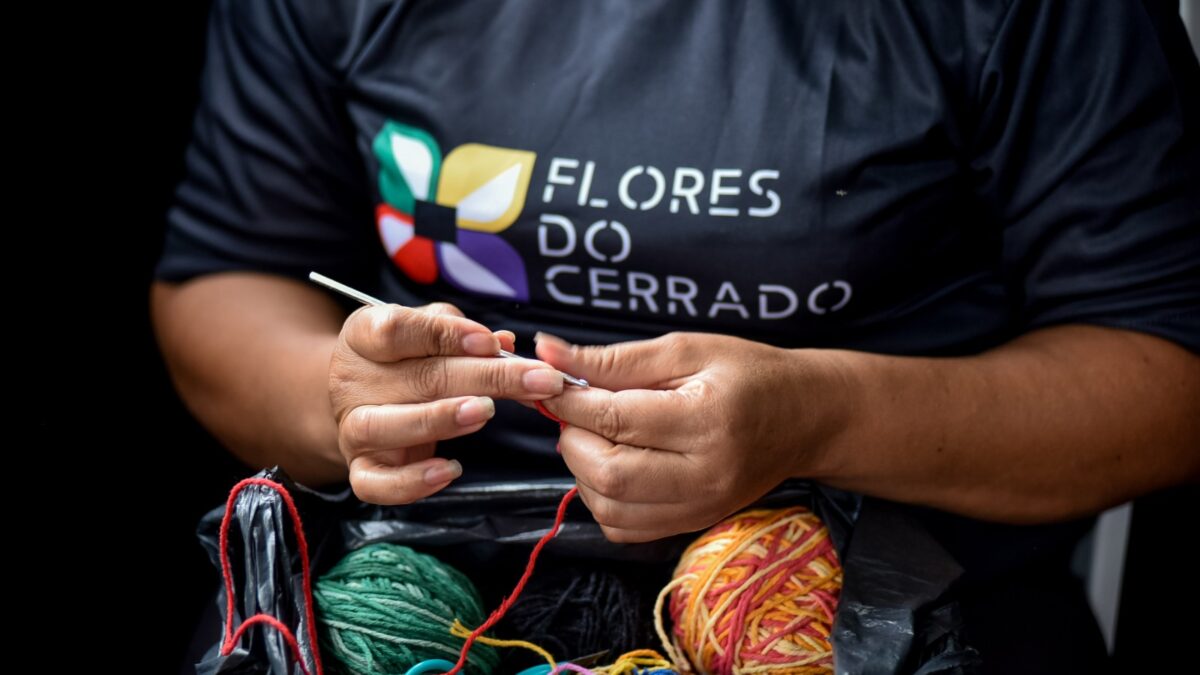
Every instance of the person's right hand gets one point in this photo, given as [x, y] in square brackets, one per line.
[402, 379]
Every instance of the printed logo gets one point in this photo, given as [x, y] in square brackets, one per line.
[442, 216]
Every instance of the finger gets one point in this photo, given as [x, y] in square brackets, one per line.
[645, 364]
[653, 418]
[508, 339]
[391, 333]
[627, 473]
[369, 428]
[639, 516]
[624, 536]
[379, 483]
[441, 308]
[417, 453]
[443, 377]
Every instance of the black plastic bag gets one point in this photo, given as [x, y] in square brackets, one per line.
[896, 614]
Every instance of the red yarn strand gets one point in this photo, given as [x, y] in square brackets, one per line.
[278, 625]
[520, 587]
[232, 636]
[541, 407]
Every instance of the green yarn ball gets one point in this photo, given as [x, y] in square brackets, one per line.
[384, 608]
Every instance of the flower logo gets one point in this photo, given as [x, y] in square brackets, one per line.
[440, 217]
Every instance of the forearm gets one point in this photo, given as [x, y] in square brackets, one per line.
[1056, 424]
[250, 356]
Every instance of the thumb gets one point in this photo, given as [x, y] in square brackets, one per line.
[643, 364]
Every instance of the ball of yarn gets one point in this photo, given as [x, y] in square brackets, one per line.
[756, 593]
[384, 608]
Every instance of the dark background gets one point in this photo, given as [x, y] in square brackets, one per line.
[207, 471]
[148, 471]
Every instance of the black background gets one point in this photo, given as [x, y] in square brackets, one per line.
[203, 471]
[111, 441]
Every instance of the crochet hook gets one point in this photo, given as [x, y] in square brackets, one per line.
[371, 300]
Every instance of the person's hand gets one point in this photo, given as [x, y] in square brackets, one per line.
[680, 431]
[402, 379]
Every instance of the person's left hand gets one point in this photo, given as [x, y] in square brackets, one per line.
[678, 432]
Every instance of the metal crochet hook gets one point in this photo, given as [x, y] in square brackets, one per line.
[371, 300]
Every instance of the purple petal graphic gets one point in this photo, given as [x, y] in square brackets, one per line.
[484, 263]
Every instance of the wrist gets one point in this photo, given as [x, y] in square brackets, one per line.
[824, 404]
[317, 426]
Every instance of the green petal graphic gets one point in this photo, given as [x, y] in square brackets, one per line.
[409, 164]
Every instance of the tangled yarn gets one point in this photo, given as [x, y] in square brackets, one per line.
[756, 593]
[384, 608]
[579, 609]
[636, 662]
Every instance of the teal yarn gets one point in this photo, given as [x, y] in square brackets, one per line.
[384, 608]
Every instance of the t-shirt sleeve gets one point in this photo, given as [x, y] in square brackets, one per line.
[272, 182]
[1088, 151]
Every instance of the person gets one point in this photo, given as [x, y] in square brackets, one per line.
[944, 254]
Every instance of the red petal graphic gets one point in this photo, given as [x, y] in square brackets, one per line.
[417, 260]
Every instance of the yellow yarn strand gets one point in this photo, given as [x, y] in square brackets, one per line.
[631, 662]
[459, 630]
[675, 654]
[732, 550]
[626, 664]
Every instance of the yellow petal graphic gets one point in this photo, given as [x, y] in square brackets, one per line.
[487, 185]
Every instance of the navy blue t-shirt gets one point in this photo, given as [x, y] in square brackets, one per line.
[926, 178]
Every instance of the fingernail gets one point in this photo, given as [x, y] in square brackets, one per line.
[551, 339]
[474, 411]
[542, 381]
[443, 473]
[481, 344]
[559, 348]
